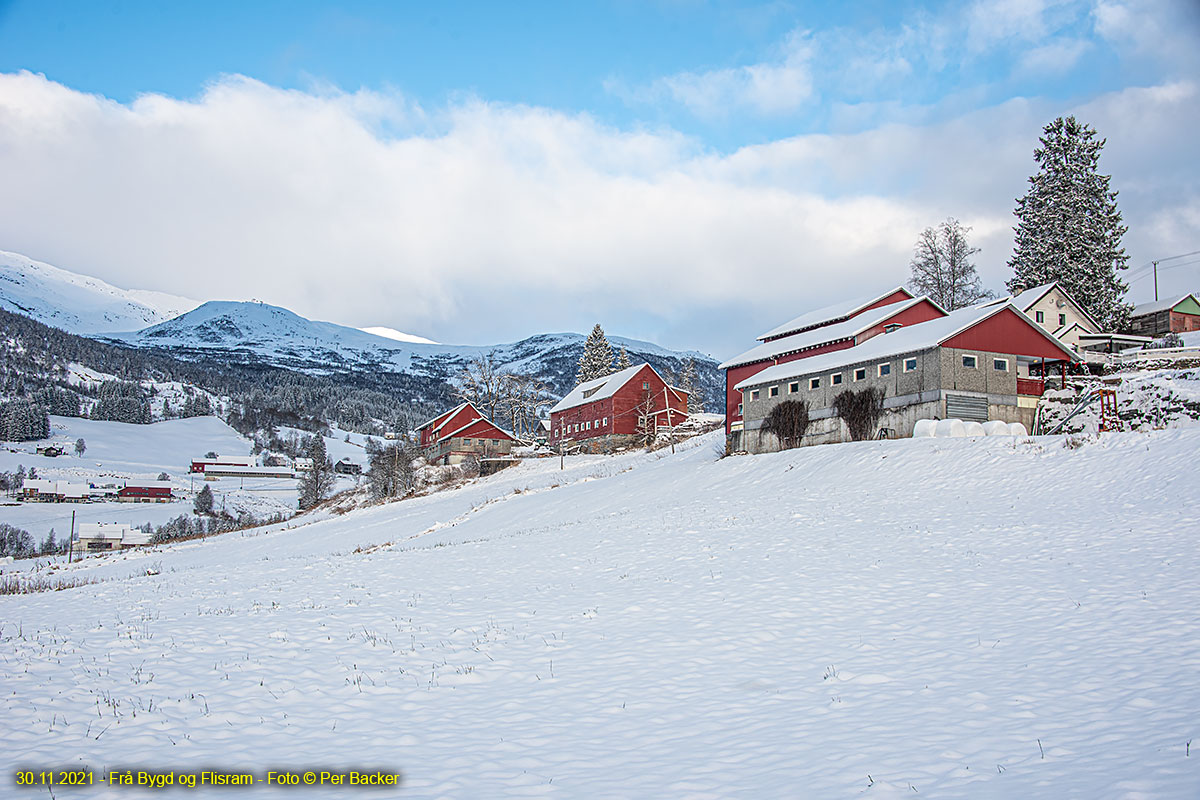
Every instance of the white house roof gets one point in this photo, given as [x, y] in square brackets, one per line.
[1161, 305]
[600, 388]
[818, 336]
[449, 415]
[1026, 299]
[910, 339]
[828, 314]
[136, 484]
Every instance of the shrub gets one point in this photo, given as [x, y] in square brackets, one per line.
[861, 411]
[788, 421]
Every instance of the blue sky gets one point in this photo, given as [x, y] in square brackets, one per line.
[646, 165]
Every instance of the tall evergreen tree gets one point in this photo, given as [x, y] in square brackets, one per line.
[597, 358]
[623, 361]
[942, 268]
[1068, 227]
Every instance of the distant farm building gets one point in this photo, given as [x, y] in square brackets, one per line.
[45, 491]
[99, 537]
[973, 364]
[145, 492]
[1177, 315]
[238, 467]
[51, 450]
[347, 467]
[460, 433]
[302, 464]
[621, 409]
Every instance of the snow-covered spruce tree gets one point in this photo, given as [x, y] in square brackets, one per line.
[597, 358]
[1068, 227]
[319, 481]
[942, 268]
[623, 361]
[203, 502]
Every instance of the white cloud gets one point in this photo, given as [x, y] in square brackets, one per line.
[487, 222]
[1055, 57]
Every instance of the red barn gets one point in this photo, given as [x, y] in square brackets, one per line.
[461, 432]
[825, 330]
[145, 492]
[618, 410]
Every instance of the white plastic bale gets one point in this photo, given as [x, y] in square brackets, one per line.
[996, 427]
[950, 429]
[925, 428]
[1017, 429]
[973, 428]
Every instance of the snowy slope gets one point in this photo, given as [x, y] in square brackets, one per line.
[940, 618]
[77, 303]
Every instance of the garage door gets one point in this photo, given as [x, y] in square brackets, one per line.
[961, 406]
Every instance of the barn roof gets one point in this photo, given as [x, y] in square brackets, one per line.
[829, 314]
[444, 417]
[826, 334]
[910, 339]
[1162, 305]
[604, 388]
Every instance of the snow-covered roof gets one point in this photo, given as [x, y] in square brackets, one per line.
[600, 388]
[1162, 305]
[819, 336]
[1026, 300]
[447, 415]
[829, 314]
[138, 484]
[910, 339]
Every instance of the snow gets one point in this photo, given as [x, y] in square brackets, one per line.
[830, 313]
[78, 303]
[1161, 305]
[392, 333]
[117, 451]
[875, 619]
[600, 388]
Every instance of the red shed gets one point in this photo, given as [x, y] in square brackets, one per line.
[145, 492]
[460, 432]
[618, 409]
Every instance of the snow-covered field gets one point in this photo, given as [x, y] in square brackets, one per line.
[119, 450]
[992, 618]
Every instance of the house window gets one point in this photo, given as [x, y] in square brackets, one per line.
[739, 411]
[753, 395]
[814, 383]
[860, 374]
[774, 391]
[910, 364]
[969, 362]
[645, 384]
[835, 379]
[467, 442]
[885, 369]
[1062, 320]
[793, 387]
[1000, 364]
[1039, 316]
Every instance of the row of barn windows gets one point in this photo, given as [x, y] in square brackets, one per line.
[583, 426]
[883, 370]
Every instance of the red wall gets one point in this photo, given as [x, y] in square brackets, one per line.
[458, 420]
[1181, 323]
[620, 409]
[1006, 333]
[898, 296]
[914, 315]
[738, 374]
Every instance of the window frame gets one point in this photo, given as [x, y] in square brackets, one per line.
[1003, 361]
[915, 364]
[973, 359]
[885, 369]
[835, 379]
[814, 383]
[753, 395]
[1039, 317]
[794, 387]
[860, 374]
[773, 391]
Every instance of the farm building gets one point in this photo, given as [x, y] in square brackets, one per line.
[221, 462]
[235, 471]
[825, 330]
[347, 467]
[461, 432]
[145, 492]
[1178, 315]
[618, 410]
[44, 491]
[99, 537]
[52, 450]
[971, 364]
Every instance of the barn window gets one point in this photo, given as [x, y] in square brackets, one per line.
[1039, 316]
[970, 362]
[793, 387]
[814, 383]
[885, 369]
[739, 411]
[605, 423]
[645, 384]
[774, 391]
[910, 364]
[753, 395]
[860, 374]
[1000, 364]
[835, 379]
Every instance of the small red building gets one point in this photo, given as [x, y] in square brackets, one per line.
[461, 432]
[825, 330]
[1176, 315]
[145, 492]
[619, 409]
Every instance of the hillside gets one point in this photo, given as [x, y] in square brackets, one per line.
[77, 303]
[940, 618]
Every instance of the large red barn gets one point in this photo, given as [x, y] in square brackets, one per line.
[618, 409]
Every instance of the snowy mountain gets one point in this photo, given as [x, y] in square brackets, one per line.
[78, 303]
[258, 333]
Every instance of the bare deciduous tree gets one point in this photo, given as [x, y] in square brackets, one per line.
[942, 268]
[482, 384]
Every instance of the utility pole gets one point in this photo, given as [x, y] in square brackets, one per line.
[71, 539]
[667, 403]
[1155, 263]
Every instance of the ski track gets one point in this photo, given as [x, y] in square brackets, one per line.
[987, 618]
